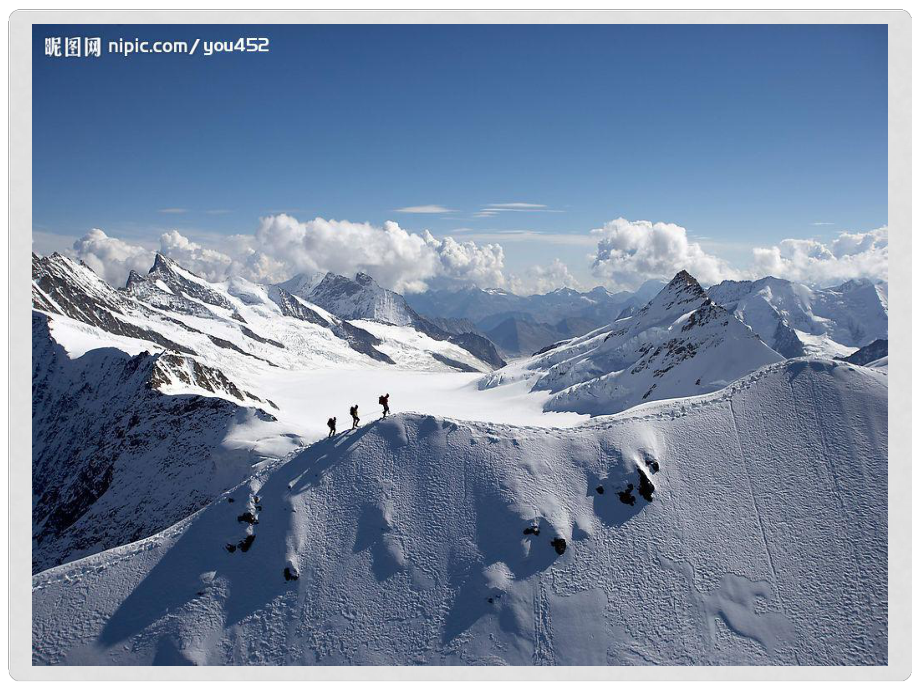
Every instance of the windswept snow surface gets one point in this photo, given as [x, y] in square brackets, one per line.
[765, 542]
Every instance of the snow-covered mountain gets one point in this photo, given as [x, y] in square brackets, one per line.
[796, 320]
[678, 344]
[171, 308]
[188, 511]
[363, 299]
[747, 526]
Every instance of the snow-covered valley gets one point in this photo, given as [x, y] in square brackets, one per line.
[722, 504]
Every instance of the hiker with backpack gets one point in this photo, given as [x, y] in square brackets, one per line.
[354, 416]
[385, 401]
[331, 425]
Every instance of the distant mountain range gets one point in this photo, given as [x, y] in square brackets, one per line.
[521, 325]
[791, 318]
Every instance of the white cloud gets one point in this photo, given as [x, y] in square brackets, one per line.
[110, 257]
[173, 210]
[210, 264]
[398, 259]
[631, 252]
[283, 246]
[850, 255]
[429, 208]
[543, 279]
[514, 207]
[529, 236]
[468, 261]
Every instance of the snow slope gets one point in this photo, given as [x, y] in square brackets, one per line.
[406, 542]
[679, 344]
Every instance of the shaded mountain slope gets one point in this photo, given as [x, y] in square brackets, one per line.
[114, 458]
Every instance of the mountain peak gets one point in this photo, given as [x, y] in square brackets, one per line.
[364, 279]
[684, 280]
[134, 278]
[683, 291]
[161, 263]
[302, 283]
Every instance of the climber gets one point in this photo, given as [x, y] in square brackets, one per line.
[331, 425]
[354, 416]
[385, 401]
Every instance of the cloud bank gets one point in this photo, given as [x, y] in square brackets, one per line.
[542, 279]
[851, 255]
[627, 253]
[283, 246]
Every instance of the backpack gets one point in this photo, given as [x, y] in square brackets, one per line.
[382, 400]
[330, 423]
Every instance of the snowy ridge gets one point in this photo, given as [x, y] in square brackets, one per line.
[427, 540]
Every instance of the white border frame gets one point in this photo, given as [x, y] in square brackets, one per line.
[899, 221]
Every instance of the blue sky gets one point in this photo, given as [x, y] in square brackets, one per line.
[743, 135]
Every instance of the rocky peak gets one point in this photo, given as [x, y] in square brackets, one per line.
[683, 292]
[184, 282]
[684, 280]
[162, 264]
[134, 279]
